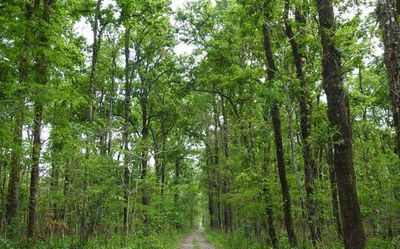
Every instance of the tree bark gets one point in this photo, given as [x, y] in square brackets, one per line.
[34, 183]
[339, 118]
[177, 178]
[276, 122]
[125, 135]
[268, 207]
[24, 69]
[177, 181]
[95, 53]
[163, 161]
[305, 122]
[12, 197]
[56, 149]
[42, 79]
[228, 213]
[217, 177]
[111, 103]
[388, 18]
[144, 152]
[84, 234]
[211, 209]
[334, 193]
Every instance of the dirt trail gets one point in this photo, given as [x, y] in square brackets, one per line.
[196, 240]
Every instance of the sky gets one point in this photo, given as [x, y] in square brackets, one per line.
[176, 4]
[83, 28]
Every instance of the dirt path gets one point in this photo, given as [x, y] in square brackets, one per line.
[196, 240]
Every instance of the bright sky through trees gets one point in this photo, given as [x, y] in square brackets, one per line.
[226, 124]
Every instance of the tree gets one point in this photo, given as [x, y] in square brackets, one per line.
[212, 114]
[388, 18]
[276, 122]
[42, 78]
[305, 118]
[127, 121]
[339, 118]
[24, 69]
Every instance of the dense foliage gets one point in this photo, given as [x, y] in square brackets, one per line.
[280, 128]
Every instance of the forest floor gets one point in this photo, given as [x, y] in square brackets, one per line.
[196, 240]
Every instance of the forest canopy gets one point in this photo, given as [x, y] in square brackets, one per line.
[255, 123]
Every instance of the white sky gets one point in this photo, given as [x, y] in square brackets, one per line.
[83, 28]
[176, 4]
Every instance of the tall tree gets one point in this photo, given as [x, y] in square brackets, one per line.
[334, 192]
[269, 210]
[276, 123]
[97, 32]
[127, 124]
[339, 118]
[228, 212]
[388, 18]
[305, 117]
[24, 69]
[42, 78]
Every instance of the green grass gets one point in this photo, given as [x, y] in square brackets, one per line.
[237, 240]
[231, 241]
[167, 240]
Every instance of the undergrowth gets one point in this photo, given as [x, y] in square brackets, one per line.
[166, 240]
[237, 240]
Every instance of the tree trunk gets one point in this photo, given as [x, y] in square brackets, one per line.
[144, 152]
[125, 135]
[287, 213]
[387, 15]
[268, 207]
[276, 122]
[177, 178]
[176, 182]
[37, 129]
[89, 117]
[228, 214]
[12, 197]
[339, 118]
[111, 103]
[163, 161]
[210, 185]
[305, 115]
[217, 177]
[334, 194]
[24, 69]
[56, 149]
[95, 53]
[42, 79]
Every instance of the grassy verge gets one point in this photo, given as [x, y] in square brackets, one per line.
[231, 241]
[166, 240]
[237, 240]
